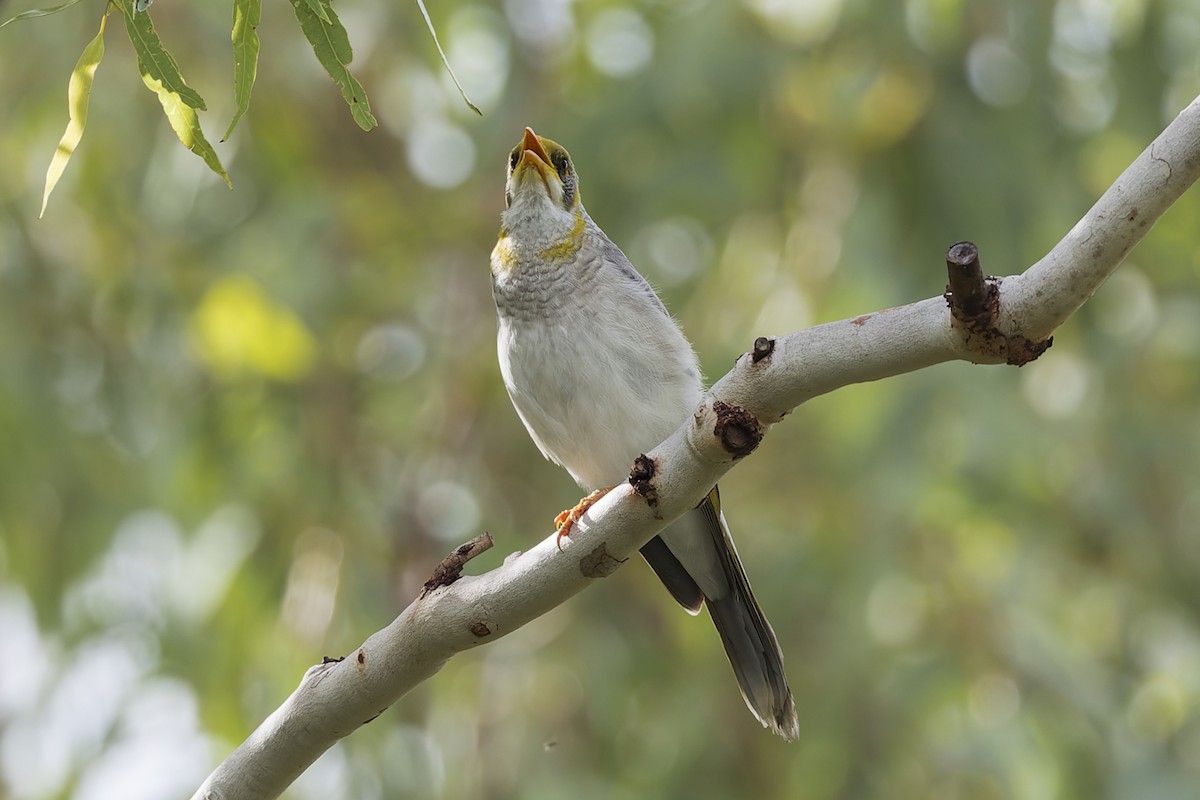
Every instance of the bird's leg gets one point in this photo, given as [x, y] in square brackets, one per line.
[567, 519]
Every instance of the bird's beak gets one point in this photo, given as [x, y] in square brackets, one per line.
[533, 156]
[533, 146]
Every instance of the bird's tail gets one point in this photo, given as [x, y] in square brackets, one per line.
[749, 641]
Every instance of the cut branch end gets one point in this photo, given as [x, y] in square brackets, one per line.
[968, 291]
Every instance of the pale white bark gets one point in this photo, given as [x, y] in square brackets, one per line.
[334, 699]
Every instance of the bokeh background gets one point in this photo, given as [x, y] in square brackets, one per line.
[238, 429]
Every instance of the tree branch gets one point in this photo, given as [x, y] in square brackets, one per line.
[1007, 320]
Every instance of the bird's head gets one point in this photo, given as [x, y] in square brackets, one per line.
[540, 172]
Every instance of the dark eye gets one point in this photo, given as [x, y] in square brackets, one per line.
[514, 157]
[561, 164]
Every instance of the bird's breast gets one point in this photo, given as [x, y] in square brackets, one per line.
[596, 370]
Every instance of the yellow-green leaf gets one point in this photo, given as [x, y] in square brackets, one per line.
[446, 61]
[186, 125]
[246, 16]
[39, 12]
[79, 91]
[153, 58]
[331, 45]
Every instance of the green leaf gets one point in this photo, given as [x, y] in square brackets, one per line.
[446, 61]
[153, 58]
[186, 125]
[79, 91]
[39, 12]
[246, 16]
[319, 9]
[331, 45]
[161, 75]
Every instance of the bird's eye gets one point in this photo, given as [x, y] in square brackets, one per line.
[514, 157]
[561, 164]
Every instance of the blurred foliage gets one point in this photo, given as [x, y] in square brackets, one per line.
[240, 428]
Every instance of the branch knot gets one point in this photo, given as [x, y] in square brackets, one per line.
[737, 429]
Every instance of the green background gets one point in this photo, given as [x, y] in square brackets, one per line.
[238, 429]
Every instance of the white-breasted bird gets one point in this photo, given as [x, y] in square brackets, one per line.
[599, 372]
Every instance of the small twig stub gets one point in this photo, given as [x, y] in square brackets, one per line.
[763, 347]
[452, 565]
[969, 294]
[974, 300]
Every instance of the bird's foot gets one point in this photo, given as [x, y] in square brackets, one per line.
[567, 519]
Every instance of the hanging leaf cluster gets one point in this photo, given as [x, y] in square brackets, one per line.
[180, 102]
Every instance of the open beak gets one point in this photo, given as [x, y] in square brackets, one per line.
[534, 157]
[533, 146]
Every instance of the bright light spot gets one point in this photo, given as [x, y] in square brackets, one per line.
[440, 155]
[1035, 777]
[160, 752]
[1177, 36]
[238, 328]
[799, 21]
[830, 189]
[895, 609]
[415, 764]
[996, 73]
[985, 549]
[478, 51]
[79, 713]
[1086, 106]
[328, 778]
[619, 42]
[134, 578]
[448, 511]
[210, 560]
[1157, 709]
[546, 25]
[1127, 308]
[673, 250]
[1082, 37]
[786, 308]
[933, 23]
[1167, 646]
[311, 593]
[390, 352]
[22, 679]
[32, 762]
[1182, 87]
[893, 104]
[364, 24]
[993, 699]
[1178, 334]
[752, 249]
[1056, 387]
[1092, 26]
[812, 249]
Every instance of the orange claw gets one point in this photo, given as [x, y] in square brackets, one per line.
[567, 519]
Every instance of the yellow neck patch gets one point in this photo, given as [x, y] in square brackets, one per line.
[504, 254]
[569, 246]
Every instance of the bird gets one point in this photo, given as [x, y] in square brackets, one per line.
[600, 372]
